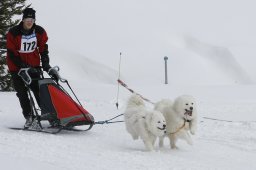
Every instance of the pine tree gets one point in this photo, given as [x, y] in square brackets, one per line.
[8, 9]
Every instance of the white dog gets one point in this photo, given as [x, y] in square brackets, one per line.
[181, 117]
[148, 125]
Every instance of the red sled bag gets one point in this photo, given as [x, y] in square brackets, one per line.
[58, 106]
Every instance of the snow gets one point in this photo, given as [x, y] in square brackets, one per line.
[210, 49]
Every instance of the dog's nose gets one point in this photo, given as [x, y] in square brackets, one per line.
[164, 126]
[191, 108]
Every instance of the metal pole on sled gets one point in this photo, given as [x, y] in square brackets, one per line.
[166, 77]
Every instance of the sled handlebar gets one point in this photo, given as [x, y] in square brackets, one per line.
[23, 73]
[57, 71]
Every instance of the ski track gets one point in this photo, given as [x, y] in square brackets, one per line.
[114, 148]
[235, 135]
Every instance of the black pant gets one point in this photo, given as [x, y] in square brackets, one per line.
[22, 93]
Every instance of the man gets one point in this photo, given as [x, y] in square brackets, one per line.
[26, 48]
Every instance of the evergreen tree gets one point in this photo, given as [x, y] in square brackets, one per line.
[8, 9]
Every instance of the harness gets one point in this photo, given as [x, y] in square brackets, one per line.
[184, 124]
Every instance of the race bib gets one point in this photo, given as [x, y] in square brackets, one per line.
[28, 43]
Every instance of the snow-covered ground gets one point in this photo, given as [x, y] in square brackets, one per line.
[217, 145]
[210, 46]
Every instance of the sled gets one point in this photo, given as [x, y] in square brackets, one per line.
[57, 106]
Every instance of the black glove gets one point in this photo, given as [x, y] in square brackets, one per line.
[46, 67]
[34, 73]
[23, 65]
[45, 59]
[54, 74]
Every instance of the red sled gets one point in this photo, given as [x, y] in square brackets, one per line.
[57, 106]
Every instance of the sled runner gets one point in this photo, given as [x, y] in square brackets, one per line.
[57, 106]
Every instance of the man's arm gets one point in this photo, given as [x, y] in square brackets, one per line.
[43, 48]
[12, 52]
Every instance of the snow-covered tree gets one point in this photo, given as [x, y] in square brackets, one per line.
[8, 9]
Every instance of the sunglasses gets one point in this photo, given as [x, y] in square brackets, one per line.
[29, 20]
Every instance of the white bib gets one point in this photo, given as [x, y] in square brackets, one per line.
[28, 43]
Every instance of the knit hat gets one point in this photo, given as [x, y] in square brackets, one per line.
[29, 13]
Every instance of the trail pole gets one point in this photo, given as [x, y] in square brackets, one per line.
[166, 76]
[118, 79]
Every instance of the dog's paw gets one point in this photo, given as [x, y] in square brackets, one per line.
[135, 137]
[190, 142]
[192, 131]
[149, 146]
[174, 147]
[150, 149]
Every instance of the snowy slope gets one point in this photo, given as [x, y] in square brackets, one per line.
[210, 45]
[146, 31]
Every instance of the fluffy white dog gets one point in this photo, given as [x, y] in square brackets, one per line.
[181, 117]
[140, 122]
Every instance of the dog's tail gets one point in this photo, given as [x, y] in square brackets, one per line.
[135, 100]
[163, 104]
